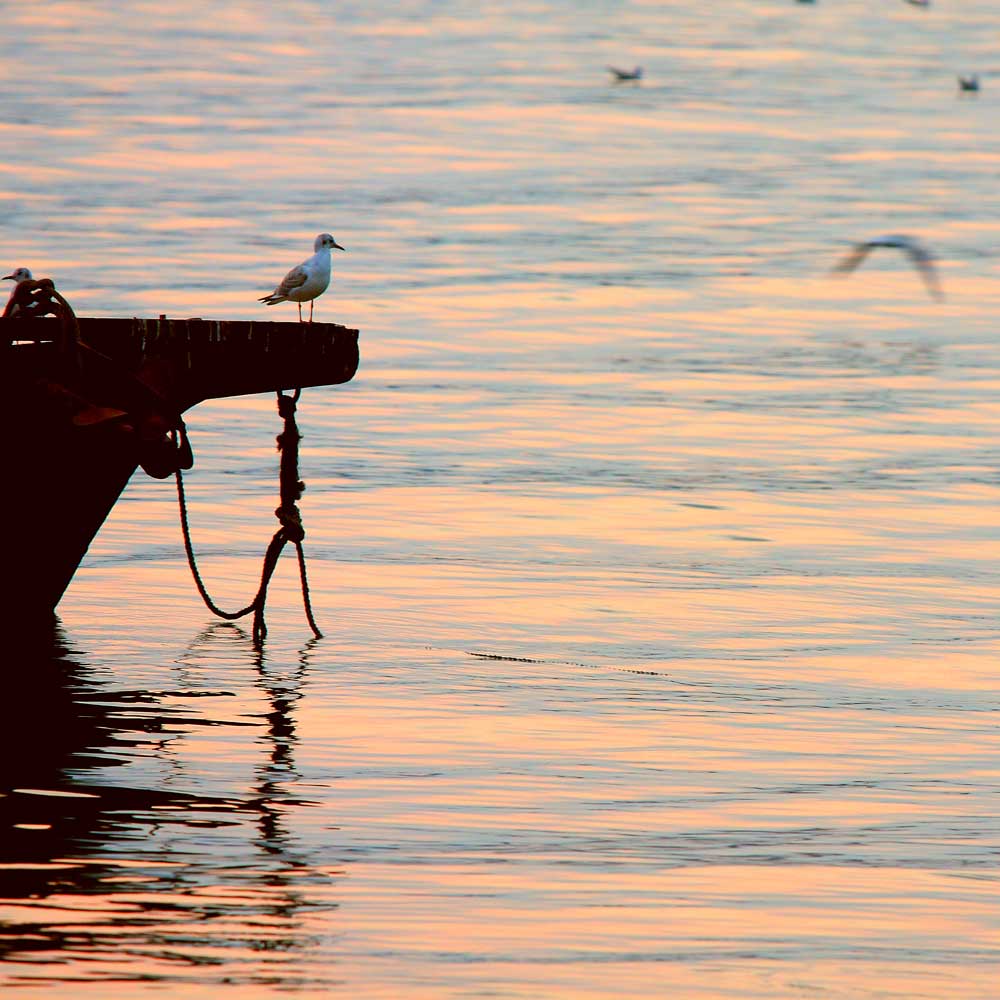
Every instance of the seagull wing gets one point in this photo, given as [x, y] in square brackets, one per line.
[853, 258]
[925, 265]
[920, 257]
[295, 278]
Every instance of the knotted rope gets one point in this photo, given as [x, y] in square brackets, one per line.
[37, 297]
[287, 513]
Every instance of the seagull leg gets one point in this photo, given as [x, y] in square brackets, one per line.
[311, 302]
[299, 304]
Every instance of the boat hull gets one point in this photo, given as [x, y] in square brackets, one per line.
[76, 426]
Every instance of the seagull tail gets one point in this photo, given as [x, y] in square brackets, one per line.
[271, 299]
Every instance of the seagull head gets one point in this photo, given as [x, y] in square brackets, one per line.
[326, 242]
[18, 275]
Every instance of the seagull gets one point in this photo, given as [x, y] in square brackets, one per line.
[968, 82]
[17, 276]
[308, 280]
[621, 75]
[921, 258]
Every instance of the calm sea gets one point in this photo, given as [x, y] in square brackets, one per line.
[657, 568]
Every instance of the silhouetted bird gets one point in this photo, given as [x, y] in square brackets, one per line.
[17, 276]
[308, 280]
[968, 83]
[920, 257]
[621, 75]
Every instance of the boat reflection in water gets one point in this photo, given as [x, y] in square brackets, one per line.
[109, 868]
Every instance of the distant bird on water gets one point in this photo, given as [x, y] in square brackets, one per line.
[17, 276]
[919, 3]
[308, 280]
[621, 75]
[921, 258]
[968, 83]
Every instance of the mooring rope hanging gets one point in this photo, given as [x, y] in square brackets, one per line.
[291, 530]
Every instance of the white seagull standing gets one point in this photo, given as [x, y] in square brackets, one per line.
[921, 258]
[308, 280]
[17, 276]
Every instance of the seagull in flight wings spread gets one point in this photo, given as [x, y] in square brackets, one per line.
[621, 75]
[921, 258]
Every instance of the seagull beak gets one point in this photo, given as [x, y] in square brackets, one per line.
[339, 247]
[8, 277]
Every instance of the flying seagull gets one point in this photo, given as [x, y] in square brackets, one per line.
[921, 258]
[621, 75]
[308, 280]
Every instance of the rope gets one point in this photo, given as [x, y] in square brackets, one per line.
[287, 513]
[34, 298]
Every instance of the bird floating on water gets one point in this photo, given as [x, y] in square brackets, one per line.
[621, 75]
[969, 83]
[920, 256]
[306, 281]
[18, 275]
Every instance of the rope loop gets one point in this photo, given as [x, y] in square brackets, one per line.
[291, 530]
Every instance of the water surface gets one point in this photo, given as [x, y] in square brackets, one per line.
[656, 568]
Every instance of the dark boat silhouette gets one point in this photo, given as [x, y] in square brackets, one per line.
[84, 402]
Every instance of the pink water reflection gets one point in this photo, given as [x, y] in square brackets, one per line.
[656, 567]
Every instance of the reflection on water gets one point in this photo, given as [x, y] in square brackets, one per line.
[108, 873]
[357, 813]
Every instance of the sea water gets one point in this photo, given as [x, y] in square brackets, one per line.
[656, 568]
